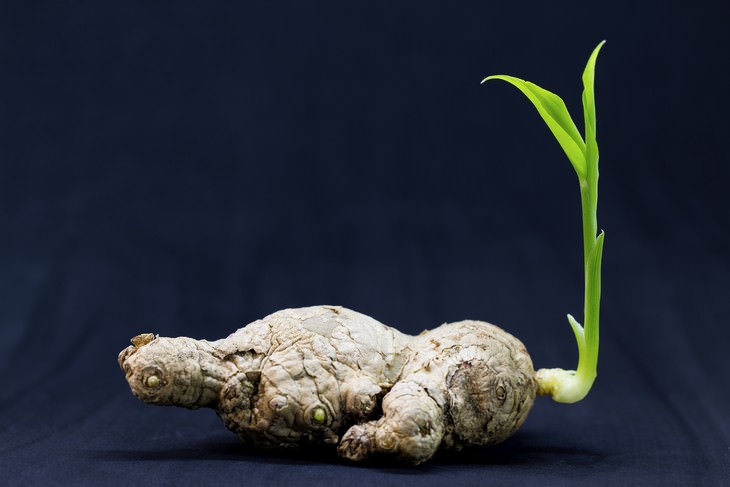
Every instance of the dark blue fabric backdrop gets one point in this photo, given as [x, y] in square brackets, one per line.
[188, 167]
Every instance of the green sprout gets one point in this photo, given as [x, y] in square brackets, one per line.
[568, 386]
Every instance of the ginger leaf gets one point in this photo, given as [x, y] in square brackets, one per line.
[553, 111]
[590, 192]
[592, 309]
[577, 331]
[589, 102]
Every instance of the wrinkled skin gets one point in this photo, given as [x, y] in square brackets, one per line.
[329, 375]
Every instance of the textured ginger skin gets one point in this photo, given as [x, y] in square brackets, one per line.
[326, 374]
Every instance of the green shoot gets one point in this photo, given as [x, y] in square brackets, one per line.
[570, 386]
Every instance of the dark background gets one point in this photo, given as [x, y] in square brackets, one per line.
[187, 167]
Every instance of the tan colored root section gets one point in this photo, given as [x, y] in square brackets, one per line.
[326, 374]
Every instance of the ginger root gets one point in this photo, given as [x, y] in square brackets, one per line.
[326, 374]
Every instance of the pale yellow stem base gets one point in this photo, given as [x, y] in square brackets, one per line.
[564, 386]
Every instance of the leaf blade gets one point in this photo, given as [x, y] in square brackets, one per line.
[579, 334]
[589, 101]
[591, 150]
[553, 111]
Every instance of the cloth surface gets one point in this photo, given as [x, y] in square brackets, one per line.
[185, 168]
